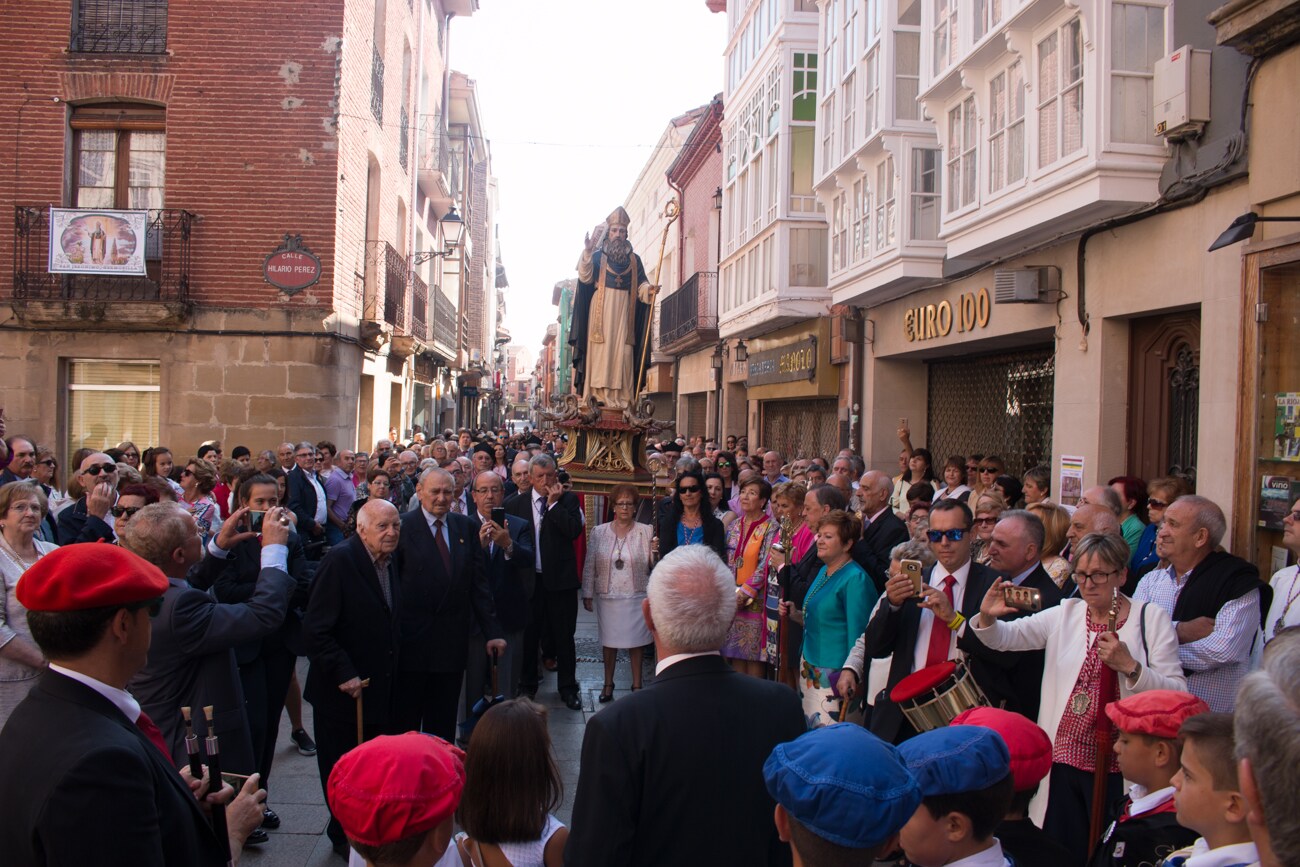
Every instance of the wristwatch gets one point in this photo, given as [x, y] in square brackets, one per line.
[1137, 669]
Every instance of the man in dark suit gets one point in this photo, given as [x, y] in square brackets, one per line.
[674, 774]
[795, 578]
[926, 631]
[87, 519]
[351, 635]
[305, 494]
[442, 573]
[509, 553]
[555, 520]
[882, 530]
[22, 460]
[97, 784]
[1014, 681]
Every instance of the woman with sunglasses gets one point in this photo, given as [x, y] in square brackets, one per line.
[987, 508]
[615, 574]
[726, 466]
[749, 544]
[1160, 493]
[44, 474]
[197, 481]
[131, 499]
[1101, 647]
[22, 508]
[989, 469]
[688, 519]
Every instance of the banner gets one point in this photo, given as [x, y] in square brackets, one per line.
[97, 242]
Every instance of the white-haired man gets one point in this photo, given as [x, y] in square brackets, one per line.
[673, 774]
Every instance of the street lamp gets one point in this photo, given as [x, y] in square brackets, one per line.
[453, 232]
[742, 354]
[717, 199]
[1243, 227]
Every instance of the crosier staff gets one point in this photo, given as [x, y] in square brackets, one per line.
[671, 211]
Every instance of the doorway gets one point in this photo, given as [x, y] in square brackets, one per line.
[1164, 395]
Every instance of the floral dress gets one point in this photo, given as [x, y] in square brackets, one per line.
[749, 545]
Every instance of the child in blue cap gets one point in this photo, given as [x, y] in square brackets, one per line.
[841, 793]
[966, 788]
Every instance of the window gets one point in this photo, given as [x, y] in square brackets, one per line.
[885, 205]
[828, 135]
[849, 45]
[987, 15]
[848, 108]
[1007, 127]
[832, 43]
[925, 194]
[871, 91]
[803, 87]
[907, 75]
[119, 26]
[802, 143]
[1060, 94]
[861, 219]
[111, 401]
[962, 158]
[839, 234]
[119, 161]
[945, 34]
[1137, 42]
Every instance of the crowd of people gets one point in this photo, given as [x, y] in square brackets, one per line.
[935, 666]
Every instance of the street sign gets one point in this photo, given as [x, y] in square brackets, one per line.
[291, 267]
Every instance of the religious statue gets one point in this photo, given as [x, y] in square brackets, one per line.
[611, 315]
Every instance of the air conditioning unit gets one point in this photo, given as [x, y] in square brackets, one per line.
[1026, 285]
[1181, 94]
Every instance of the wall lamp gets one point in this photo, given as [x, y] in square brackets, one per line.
[453, 232]
[1244, 226]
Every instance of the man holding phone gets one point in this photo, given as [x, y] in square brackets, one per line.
[508, 548]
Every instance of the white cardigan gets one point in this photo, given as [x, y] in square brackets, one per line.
[1062, 631]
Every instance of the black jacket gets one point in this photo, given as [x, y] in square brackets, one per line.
[237, 581]
[512, 581]
[715, 535]
[674, 774]
[871, 552]
[300, 498]
[84, 786]
[349, 631]
[78, 525]
[561, 526]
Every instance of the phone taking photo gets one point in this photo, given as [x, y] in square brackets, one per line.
[912, 569]
[499, 516]
[1022, 598]
[255, 520]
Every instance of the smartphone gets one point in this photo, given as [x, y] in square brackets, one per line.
[499, 516]
[912, 569]
[902, 422]
[235, 780]
[1023, 598]
[255, 520]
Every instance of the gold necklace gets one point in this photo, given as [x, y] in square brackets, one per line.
[18, 559]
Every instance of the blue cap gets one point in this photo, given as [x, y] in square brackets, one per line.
[957, 759]
[843, 784]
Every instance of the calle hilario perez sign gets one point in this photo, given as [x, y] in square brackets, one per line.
[291, 267]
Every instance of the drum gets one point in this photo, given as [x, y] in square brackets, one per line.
[932, 697]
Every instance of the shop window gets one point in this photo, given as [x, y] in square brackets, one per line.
[1137, 42]
[1007, 127]
[119, 26]
[925, 194]
[111, 401]
[962, 157]
[1060, 94]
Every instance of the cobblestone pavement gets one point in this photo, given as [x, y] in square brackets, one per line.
[296, 795]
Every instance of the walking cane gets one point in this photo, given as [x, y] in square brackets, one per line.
[361, 731]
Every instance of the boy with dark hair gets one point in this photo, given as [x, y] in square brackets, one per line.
[966, 787]
[1145, 827]
[1208, 797]
[841, 793]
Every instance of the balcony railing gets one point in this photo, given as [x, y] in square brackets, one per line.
[167, 262]
[690, 311]
[444, 320]
[431, 148]
[386, 282]
[404, 138]
[419, 307]
[114, 27]
[377, 84]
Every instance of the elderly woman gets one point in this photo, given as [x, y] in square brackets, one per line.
[22, 508]
[130, 453]
[987, 509]
[1100, 648]
[131, 498]
[378, 484]
[614, 575]
[197, 481]
[1056, 523]
[1036, 485]
[834, 615]
[954, 480]
[749, 543]
[686, 519]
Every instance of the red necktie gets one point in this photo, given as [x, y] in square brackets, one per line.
[940, 634]
[443, 550]
[153, 733]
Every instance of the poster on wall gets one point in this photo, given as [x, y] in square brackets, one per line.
[1275, 495]
[1286, 438]
[1071, 487]
[97, 242]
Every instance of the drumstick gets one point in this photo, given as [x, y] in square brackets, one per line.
[214, 770]
[192, 745]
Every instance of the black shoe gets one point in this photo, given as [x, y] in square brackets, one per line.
[257, 838]
[306, 746]
[270, 821]
[572, 701]
[607, 694]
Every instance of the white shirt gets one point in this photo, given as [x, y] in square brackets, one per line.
[273, 556]
[1284, 584]
[321, 505]
[121, 699]
[537, 526]
[1143, 801]
[429, 518]
[928, 621]
[681, 657]
[1237, 853]
[990, 857]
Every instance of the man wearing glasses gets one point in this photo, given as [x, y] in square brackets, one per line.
[931, 629]
[88, 519]
[305, 495]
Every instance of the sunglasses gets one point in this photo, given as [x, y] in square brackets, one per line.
[1157, 504]
[986, 521]
[100, 468]
[954, 535]
[125, 511]
[693, 489]
[48, 463]
[186, 472]
[972, 469]
[988, 469]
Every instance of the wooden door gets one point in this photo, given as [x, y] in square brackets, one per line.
[1164, 395]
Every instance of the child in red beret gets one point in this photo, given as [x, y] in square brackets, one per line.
[1145, 827]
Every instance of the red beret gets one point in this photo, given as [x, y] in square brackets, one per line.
[396, 786]
[1029, 745]
[1156, 712]
[76, 577]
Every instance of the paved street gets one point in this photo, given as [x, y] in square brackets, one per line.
[296, 792]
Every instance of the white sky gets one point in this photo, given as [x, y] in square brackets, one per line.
[574, 96]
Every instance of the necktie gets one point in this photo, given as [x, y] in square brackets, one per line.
[443, 551]
[386, 588]
[151, 731]
[940, 634]
[537, 530]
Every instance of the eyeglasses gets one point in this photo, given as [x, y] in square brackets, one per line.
[136, 455]
[972, 469]
[988, 469]
[305, 455]
[1157, 504]
[1095, 577]
[95, 470]
[624, 505]
[954, 535]
[724, 463]
[125, 511]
